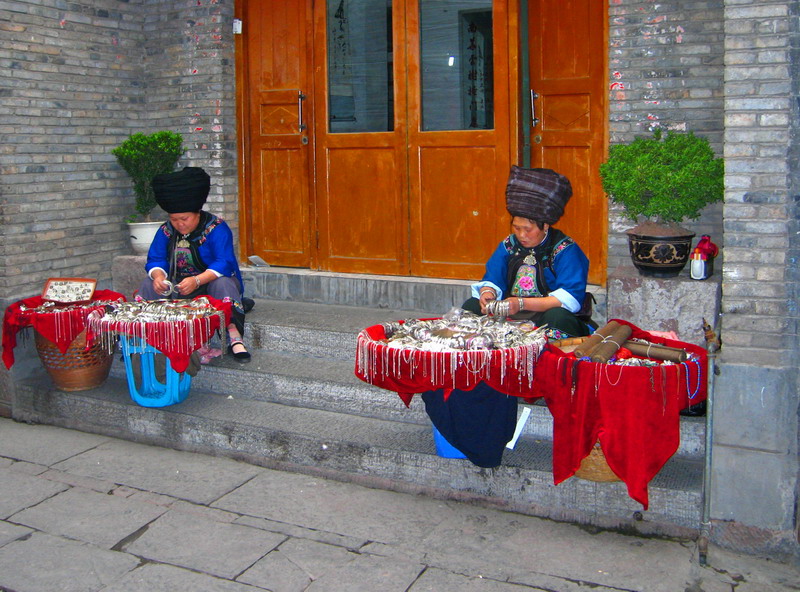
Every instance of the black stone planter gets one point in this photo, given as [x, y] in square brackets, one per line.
[659, 256]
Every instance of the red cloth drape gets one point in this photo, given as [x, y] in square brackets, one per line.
[632, 410]
[59, 326]
[409, 371]
[177, 340]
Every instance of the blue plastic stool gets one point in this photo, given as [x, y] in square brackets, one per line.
[444, 448]
[153, 393]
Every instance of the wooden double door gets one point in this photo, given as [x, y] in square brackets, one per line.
[377, 136]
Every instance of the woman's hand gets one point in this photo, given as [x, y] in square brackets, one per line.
[486, 296]
[188, 285]
[160, 282]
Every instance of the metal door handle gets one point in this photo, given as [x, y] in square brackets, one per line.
[300, 98]
[534, 119]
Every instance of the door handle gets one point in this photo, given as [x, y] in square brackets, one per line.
[300, 98]
[534, 119]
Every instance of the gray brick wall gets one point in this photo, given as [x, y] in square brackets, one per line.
[665, 70]
[190, 88]
[71, 87]
[77, 79]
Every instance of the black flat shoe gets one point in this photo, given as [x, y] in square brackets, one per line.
[243, 356]
[247, 304]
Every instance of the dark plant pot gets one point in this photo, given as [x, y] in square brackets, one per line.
[660, 256]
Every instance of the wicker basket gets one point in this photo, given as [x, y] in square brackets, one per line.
[595, 467]
[77, 369]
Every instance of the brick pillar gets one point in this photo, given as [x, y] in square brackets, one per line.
[755, 466]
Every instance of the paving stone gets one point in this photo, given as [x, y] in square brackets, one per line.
[42, 444]
[216, 548]
[193, 477]
[332, 506]
[19, 491]
[44, 563]
[167, 578]
[11, 532]
[102, 520]
[369, 573]
[438, 580]
[295, 564]
[329, 538]
[488, 543]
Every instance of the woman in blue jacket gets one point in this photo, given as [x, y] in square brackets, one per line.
[192, 253]
[540, 271]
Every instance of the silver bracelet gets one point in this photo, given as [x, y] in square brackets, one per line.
[521, 303]
[197, 279]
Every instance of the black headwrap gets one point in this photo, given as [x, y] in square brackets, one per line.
[182, 191]
[537, 194]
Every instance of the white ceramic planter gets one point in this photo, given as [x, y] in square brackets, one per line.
[142, 234]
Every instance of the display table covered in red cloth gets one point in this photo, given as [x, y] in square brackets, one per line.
[632, 410]
[470, 395]
[177, 339]
[411, 371]
[60, 324]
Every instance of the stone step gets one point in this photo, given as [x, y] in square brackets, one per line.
[300, 380]
[434, 295]
[375, 452]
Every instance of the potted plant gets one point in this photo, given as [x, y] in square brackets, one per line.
[660, 182]
[143, 157]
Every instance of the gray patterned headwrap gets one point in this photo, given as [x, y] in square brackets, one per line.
[537, 194]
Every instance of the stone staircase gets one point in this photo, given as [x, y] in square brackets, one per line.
[299, 406]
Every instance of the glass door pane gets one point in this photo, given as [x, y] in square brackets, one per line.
[360, 84]
[457, 64]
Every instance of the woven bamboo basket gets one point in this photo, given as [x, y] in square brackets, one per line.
[595, 467]
[77, 369]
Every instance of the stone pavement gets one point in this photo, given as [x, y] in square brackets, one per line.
[82, 512]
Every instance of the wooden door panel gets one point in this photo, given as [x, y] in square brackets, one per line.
[283, 236]
[581, 216]
[567, 66]
[365, 205]
[276, 180]
[456, 221]
[457, 178]
[362, 186]
[566, 113]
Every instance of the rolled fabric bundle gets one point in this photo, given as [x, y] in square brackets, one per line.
[609, 346]
[587, 347]
[657, 352]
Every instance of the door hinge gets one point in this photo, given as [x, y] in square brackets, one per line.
[237, 26]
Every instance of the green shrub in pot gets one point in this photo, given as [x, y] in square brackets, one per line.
[661, 181]
[143, 156]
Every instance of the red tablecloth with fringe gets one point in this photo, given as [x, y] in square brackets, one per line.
[408, 371]
[177, 340]
[632, 410]
[60, 325]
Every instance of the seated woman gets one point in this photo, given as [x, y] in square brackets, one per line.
[541, 274]
[539, 270]
[193, 251]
